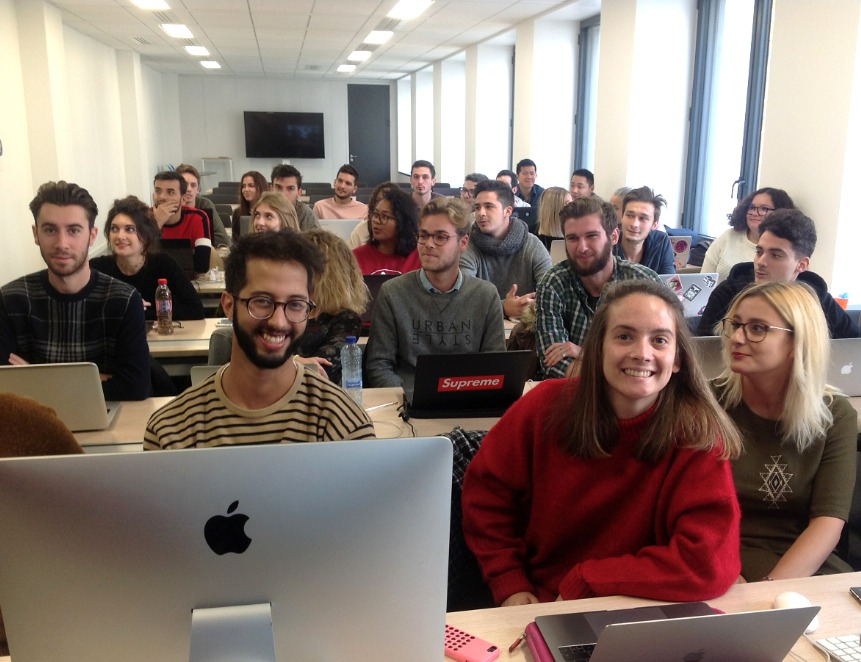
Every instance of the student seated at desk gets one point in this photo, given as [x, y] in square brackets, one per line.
[616, 482]
[796, 476]
[262, 395]
[273, 212]
[133, 239]
[393, 226]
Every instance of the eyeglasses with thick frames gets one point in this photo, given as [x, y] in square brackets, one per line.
[753, 331]
[759, 210]
[382, 219]
[439, 238]
[468, 192]
[262, 308]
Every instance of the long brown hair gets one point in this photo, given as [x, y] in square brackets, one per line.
[686, 412]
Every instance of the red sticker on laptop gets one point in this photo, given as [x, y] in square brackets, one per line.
[467, 383]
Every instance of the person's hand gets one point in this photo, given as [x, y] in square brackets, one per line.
[522, 598]
[14, 359]
[557, 351]
[146, 303]
[513, 305]
[162, 213]
[317, 362]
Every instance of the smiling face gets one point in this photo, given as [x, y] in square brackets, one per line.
[265, 218]
[526, 176]
[64, 237]
[638, 220]
[249, 189]
[639, 351]
[123, 237]
[773, 356]
[760, 207]
[266, 344]
[490, 216]
[345, 186]
[587, 245]
[579, 187]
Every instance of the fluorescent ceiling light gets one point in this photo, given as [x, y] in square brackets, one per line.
[150, 4]
[210, 64]
[177, 30]
[199, 51]
[359, 56]
[378, 36]
[346, 68]
[407, 9]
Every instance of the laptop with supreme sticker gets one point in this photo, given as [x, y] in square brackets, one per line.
[473, 385]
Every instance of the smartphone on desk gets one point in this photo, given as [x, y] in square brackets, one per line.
[856, 592]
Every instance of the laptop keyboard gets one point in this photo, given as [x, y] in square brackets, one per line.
[842, 649]
[580, 652]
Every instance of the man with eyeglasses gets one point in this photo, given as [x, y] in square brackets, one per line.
[786, 241]
[467, 191]
[263, 395]
[437, 309]
[502, 250]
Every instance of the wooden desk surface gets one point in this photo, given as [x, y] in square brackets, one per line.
[130, 422]
[840, 613]
[190, 340]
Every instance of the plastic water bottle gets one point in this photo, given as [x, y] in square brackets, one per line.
[163, 308]
[351, 369]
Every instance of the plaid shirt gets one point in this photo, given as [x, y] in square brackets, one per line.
[563, 311]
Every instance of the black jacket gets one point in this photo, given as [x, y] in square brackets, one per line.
[840, 325]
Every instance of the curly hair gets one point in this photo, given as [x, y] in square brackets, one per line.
[738, 217]
[406, 214]
[141, 215]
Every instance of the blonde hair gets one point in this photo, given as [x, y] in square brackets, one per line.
[340, 286]
[549, 205]
[282, 206]
[806, 416]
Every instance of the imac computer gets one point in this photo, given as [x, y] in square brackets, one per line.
[306, 552]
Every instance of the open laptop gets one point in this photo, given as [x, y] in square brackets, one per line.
[666, 633]
[73, 390]
[681, 250]
[473, 385]
[181, 251]
[373, 282]
[342, 547]
[845, 369]
[693, 290]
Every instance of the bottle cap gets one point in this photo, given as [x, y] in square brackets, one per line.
[162, 281]
[351, 339]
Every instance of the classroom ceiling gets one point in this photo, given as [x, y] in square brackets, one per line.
[305, 38]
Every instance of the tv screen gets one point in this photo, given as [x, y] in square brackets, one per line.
[284, 135]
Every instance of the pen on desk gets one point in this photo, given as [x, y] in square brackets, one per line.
[517, 642]
[387, 404]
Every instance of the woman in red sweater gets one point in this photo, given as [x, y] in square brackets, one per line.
[624, 491]
[393, 224]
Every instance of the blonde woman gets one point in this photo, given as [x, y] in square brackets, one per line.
[273, 211]
[796, 476]
[341, 298]
[549, 205]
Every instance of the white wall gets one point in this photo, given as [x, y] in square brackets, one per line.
[450, 121]
[492, 72]
[211, 120]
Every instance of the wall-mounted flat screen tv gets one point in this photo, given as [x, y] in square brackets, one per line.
[284, 135]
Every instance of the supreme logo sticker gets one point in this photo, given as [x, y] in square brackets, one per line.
[483, 383]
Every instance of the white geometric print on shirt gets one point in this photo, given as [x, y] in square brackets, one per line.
[775, 482]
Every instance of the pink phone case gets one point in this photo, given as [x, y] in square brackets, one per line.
[465, 647]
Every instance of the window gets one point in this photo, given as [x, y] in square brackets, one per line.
[726, 110]
[587, 93]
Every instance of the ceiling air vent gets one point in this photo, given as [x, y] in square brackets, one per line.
[390, 24]
[142, 41]
[312, 67]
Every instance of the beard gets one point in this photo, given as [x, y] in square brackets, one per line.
[246, 343]
[79, 261]
[597, 265]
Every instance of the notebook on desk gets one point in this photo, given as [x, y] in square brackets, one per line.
[690, 632]
[474, 385]
[73, 390]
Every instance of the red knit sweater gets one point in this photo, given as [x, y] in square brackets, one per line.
[543, 521]
[372, 261]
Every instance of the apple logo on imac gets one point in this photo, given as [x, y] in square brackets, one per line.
[226, 535]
